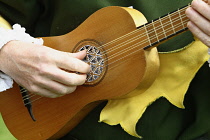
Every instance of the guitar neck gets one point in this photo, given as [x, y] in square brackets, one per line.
[165, 27]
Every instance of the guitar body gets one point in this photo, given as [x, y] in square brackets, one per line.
[56, 117]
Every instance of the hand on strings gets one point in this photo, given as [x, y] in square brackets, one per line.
[199, 24]
[43, 70]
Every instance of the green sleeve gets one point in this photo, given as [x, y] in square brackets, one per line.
[22, 12]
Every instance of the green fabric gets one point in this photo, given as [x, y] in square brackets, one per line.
[161, 121]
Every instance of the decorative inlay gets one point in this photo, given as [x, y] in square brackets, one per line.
[96, 58]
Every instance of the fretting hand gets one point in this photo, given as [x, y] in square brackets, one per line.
[199, 24]
[43, 70]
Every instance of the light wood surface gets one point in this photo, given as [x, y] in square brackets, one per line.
[55, 117]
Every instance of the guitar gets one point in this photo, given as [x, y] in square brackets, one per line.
[121, 51]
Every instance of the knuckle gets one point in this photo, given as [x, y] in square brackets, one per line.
[187, 12]
[72, 89]
[190, 25]
[194, 3]
[44, 56]
[87, 68]
[82, 80]
[36, 80]
[43, 70]
[68, 90]
[79, 80]
[206, 42]
[63, 91]
[74, 82]
[32, 88]
[71, 81]
[58, 75]
[74, 66]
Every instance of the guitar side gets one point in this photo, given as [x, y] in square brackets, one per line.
[54, 116]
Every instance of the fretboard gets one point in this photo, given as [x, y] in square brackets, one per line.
[165, 27]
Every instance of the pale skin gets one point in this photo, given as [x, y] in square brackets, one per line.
[43, 70]
[199, 24]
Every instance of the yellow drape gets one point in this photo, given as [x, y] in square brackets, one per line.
[177, 69]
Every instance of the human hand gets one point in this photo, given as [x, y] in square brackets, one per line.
[43, 70]
[207, 1]
[199, 23]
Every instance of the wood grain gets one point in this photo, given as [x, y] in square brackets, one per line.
[55, 117]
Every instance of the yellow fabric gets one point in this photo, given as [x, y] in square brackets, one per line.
[4, 23]
[177, 69]
[171, 83]
[4, 132]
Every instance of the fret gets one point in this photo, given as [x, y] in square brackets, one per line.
[155, 31]
[169, 15]
[161, 33]
[177, 22]
[150, 44]
[161, 23]
[166, 27]
[180, 16]
[151, 33]
[184, 17]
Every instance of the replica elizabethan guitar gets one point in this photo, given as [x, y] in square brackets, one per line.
[122, 54]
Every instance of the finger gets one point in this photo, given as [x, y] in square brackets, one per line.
[67, 78]
[45, 93]
[198, 20]
[56, 87]
[54, 73]
[80, 55]
[68, 62]
[202, 7]
[51, 89]
[199, 34]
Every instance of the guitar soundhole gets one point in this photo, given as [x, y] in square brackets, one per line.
[96, 58]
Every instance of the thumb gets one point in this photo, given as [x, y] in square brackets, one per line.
[80, 55]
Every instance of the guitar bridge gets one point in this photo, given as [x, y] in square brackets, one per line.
[27, 101]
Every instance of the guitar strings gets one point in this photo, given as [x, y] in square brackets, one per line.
[142, 42]
[39, 97]
[144, 36]
[110, 58]
[137, 30]
[34, 95]
[120, 38]
[27, 96]
[151, 37]
[130, 48]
